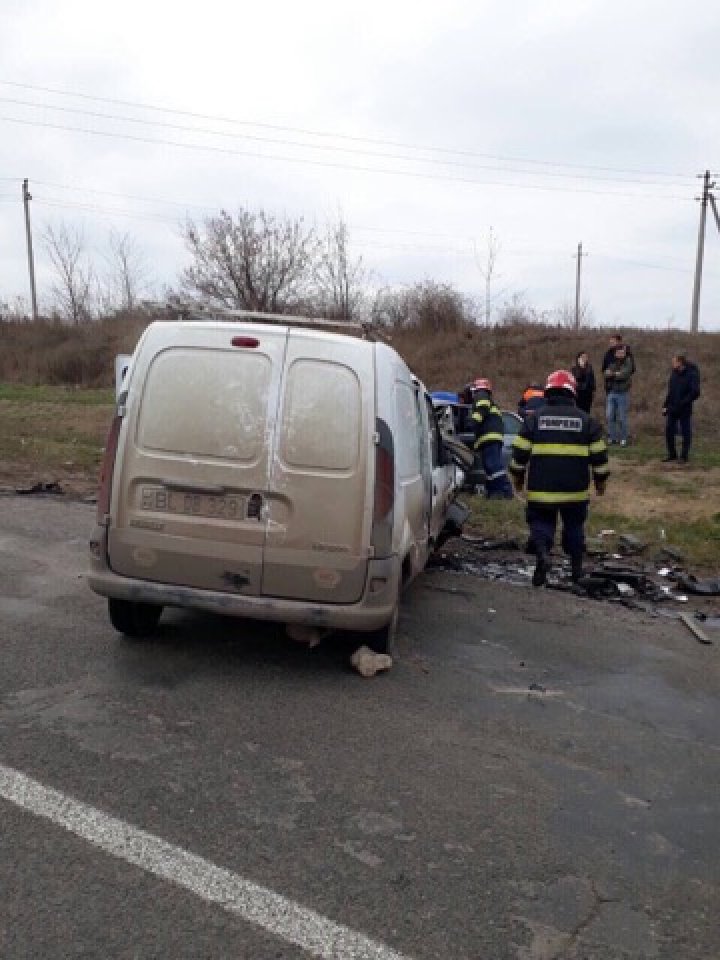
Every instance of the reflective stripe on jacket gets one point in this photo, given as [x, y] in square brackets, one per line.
[559, 445]
[487, 422]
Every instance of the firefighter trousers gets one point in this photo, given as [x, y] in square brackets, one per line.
[542, 520]
[497, 483]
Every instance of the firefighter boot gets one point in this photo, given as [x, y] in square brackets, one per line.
[576, 570]
[542, 565]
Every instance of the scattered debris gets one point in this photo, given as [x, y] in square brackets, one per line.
[481, 543]
[368, 663]
[700, 634]
[607, 577]
[629, 546]
[672, 553]
[538, 687]
[52, 487]
[606, 533]
[704, 588]
[667, 593]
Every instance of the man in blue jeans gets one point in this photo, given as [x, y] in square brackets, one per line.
[618, 375]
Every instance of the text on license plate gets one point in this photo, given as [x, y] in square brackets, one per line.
[228, 506]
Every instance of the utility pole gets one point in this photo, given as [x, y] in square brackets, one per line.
[706, 195]
[28, 235]
[579, 255]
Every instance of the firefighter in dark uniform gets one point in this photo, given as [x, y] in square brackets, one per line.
[559, 445]
[487, 425]
[532, 399]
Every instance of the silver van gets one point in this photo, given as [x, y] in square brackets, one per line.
[270, 471]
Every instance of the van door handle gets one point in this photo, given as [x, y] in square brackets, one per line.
[209, 488]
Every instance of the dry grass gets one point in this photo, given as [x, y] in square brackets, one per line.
[663, 505]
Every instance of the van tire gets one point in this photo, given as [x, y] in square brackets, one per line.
[134, 619]
[382, 640]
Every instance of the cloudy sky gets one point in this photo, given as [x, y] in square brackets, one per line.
[431, 126]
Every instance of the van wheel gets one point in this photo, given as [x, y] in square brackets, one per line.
[383, 639]
[133, 619]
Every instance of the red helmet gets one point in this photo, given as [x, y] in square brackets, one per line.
[561, 380]
[481, 384]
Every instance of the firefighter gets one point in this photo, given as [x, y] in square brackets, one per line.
[532, 399]
[487, 425]
[559, 445]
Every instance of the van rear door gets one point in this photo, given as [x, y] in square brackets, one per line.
[189, 502]
[320, 495]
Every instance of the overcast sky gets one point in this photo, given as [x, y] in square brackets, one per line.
[427, 124]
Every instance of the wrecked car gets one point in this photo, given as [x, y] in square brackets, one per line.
[455, 420]
[268, 470]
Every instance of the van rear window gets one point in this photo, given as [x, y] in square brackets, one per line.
[321, 416]
[210, 403]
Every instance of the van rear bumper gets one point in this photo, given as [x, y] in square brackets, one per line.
[372, 612]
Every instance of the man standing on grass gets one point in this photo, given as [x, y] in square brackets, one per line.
[618, 375]
[616, 340]
[683, 390]
[559, 445]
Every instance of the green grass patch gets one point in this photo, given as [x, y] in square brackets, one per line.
[646, 450]
[21, 393]
[697, 540]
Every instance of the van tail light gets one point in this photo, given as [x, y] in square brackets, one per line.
[384, 501]
[107, 469]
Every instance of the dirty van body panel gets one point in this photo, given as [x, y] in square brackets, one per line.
[400, 402]
[189, 503]
[319, 505]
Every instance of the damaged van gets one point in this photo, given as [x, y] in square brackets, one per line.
[268, 470]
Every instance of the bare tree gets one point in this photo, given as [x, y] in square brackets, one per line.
[73, 290]
[427, 306]
[127, 280]
[517, 310]
[486, 267]
[252, 261]
[565, 314]
[339, 279]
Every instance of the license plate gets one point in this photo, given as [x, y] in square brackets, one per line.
[225, 507]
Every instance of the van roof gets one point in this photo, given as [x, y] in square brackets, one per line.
[176, 331]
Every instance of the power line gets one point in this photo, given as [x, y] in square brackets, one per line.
[420, 175]
[364, 245]
[91, 208]
[126, 196]
[641, 263]
[213, 208]
[334, 135]
[327, 147]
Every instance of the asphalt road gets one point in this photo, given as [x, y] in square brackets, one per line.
[537, 782]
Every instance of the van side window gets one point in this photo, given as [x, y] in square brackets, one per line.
[321, 416]
[208, 403]
[409, 437]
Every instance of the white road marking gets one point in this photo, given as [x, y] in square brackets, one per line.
[284, 918]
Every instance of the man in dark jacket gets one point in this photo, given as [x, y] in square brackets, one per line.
[559, 445]
[683, 390]
[616, 340]
[618, 377]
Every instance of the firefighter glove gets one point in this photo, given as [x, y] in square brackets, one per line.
[518, 481]
[600, 485]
